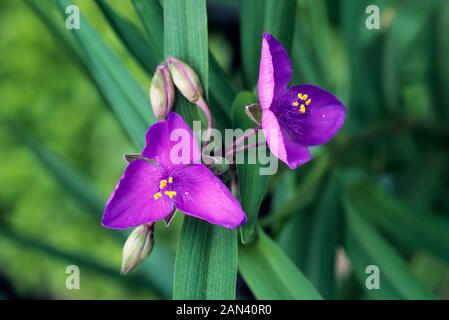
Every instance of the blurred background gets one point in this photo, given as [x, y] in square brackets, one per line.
[377, 195]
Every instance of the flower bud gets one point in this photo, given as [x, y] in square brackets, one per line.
[162, 92]
[185, 79]
[137, 247]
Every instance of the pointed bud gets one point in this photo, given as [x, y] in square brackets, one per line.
[254, 112]
[137, 247]
[185, 79]
[162, 92]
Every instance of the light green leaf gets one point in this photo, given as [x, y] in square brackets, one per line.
[206, 260]
[127, 99]
[270, 274]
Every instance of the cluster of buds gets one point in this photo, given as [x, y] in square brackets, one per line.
[186, 81]
[162, 97]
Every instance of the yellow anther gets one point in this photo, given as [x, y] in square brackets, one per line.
[304, 97]
[170, 194]
[295, 104]
[308, 102]
[300, 96]
[302, 109]
[170, 179]
[157, 195]
[163, 184]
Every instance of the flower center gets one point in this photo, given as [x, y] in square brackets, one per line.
[164, 184]
[303, 101]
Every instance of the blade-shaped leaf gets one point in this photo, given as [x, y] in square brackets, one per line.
[324, 240]
[251, 21]
[132, 37]
[124, 94]
[280, 16]
[151, 16]
[206, 260]
[422, 230]
[252, 184]
[270, 274]
[392, 267]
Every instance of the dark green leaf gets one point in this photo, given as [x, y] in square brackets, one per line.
[324, 241]
[251, 22]
[392, 267]
[252, 184]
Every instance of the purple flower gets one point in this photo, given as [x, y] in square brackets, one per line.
[153, 187]
[297, 117]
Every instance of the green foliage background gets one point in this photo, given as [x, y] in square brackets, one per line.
[378, 194]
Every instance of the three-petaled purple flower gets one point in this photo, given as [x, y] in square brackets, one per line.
[297, 117]
[151, 188]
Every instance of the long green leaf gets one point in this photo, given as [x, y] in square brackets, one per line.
[132, 37]
[134, 281]
[421, 230]
[270, 274]
[392, 266]
[280, 16]
[124, 94]
[150, 14]
[252, 184]
[206, 260]
[251, 21]
[324, 240]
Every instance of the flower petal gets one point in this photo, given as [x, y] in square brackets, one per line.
[326, 115]
[280, 143]
[202, 195]
[275, 71]
[132, 203]
[167, 153]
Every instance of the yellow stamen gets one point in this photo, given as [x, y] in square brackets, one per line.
[300, 96]
[304, 97]
[295, 104]
[308, 102]
[170, 194]
[302, 109]
[157, 195]
[170, 179]
[163, 184]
